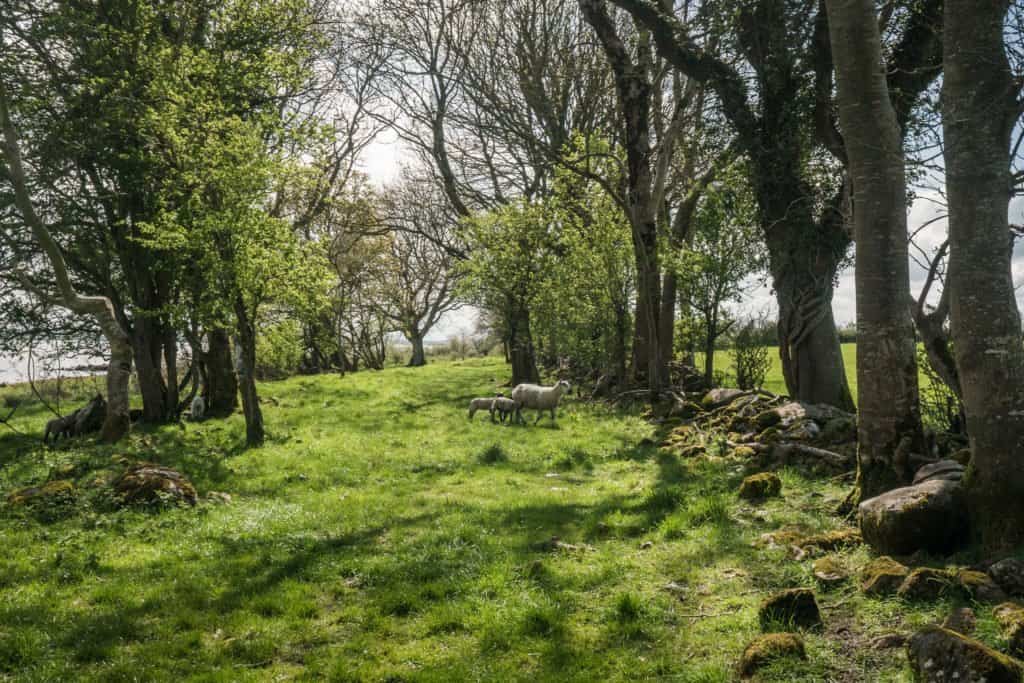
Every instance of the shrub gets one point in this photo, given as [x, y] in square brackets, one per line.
[941, 410]
[750, 357]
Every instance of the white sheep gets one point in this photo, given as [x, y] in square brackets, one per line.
[198, 408]
[505, 407]
[481, 404]
[541, 398]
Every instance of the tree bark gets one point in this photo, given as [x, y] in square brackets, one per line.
[245, 365]
[520, 346]
[979, 110]
[419, 356]
[117, 422]
[221, 389]
[888, 418]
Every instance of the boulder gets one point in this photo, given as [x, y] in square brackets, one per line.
[760, 486]
[1010, 616]
[949, 470]
[980, 587]
[793, 608]
[930, 516]
[962, 456]
[883, 576]
[939, 655]
[832, 540]
[768, 648]
[926, 584]
[1009, 574]
[56, 491]
[828, 571]
[839, 430]
[962, 620]
[716, 398]
[146, 482]
[887, 641]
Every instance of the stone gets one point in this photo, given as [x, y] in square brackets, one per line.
[930, 516]
[829, 571]
[1009, 574]
[768, 648]
[949, 470]
[839, 430]
[716, 398]
[744, 453]
[962, 456]
[793, 608]
[939, 655]
[56, 491]
[979, 586]
[832, 540]
[1010, 616]
[146, 482]
[962, 620]
[926, 584]
[760, 486]
[883, 576]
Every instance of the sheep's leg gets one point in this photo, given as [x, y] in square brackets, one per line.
[540, 414]
[552, 415]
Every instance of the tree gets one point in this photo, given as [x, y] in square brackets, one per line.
[980, 108]
[418, 279]
[724, 251]
[888, 418]
[116, 423]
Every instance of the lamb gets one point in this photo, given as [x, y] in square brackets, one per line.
[60, 426]
[541, 398]
[198, 408]
[480, 404]
[505, 407]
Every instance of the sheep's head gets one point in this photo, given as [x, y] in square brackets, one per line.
[563, 386]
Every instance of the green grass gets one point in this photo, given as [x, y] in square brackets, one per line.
[774, 380]
[381, 536]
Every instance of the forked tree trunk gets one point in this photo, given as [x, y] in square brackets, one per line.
[888, 419]
[419, 356]
[117, 422]
[978, 114]
[245, 366]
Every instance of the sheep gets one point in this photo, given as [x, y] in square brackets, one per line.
[60, 426]
[198, 408]
[505, 407]
[541, 398]
[480, 404]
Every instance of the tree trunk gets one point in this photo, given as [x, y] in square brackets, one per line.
[978, 115]
[521, 351]
[245, 364]
[170, 344]
[667, 321]
[640, 348]
[888, 419]
[221, 389]
[619, 351]
[709, 353]
[147, 343]
[419, 357]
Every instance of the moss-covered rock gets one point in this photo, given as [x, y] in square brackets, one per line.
[768, 648]
[716, 398]
[979, 586]
[832, 540]
[793, 608]
[1010, 616]
[769, 435]
[1009, 574]
[929, 516]
[839, 430]
[744, 453]
[962, 620]
[829, 571]
[56, 491]
[883, 576]
[926, 583]
[148, 483]
[938, 654]
[760, 486]
[766, 419]
[962, 456]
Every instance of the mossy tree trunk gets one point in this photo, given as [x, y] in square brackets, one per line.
[888, 423]
[979, 111]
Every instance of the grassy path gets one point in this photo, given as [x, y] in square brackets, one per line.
[381, 536]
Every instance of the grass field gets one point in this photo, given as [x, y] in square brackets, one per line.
[774, 381]
[382, 536]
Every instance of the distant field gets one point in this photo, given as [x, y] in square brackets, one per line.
[774, 381]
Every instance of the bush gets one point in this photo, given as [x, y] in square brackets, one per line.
[941, 410]
[750, 357]
[278, 349]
